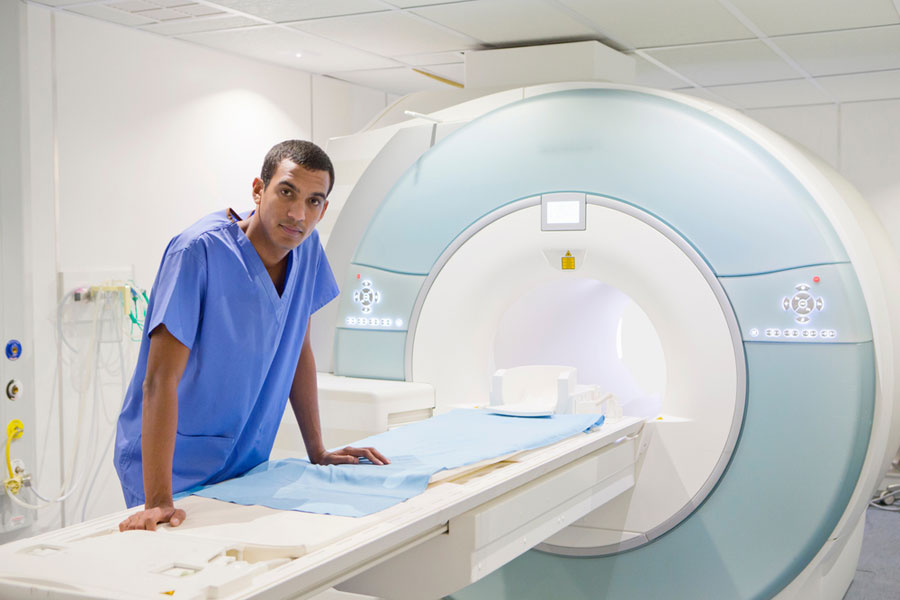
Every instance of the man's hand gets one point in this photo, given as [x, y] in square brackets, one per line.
[350, 455]
[150, 517]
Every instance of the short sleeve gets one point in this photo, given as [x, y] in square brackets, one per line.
[178, 295]
[325, 288]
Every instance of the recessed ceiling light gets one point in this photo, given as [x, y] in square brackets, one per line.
[299, 55]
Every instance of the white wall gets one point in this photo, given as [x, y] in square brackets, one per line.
[151, 134]
[859, 139]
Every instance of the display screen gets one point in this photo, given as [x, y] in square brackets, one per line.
[563, 212]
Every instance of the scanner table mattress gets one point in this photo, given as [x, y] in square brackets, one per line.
[416, 452]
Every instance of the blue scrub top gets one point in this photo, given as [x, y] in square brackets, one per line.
[214, 295]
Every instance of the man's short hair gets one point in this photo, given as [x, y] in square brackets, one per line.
[300, 152]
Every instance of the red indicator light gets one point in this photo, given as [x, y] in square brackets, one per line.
[816, 279]
[357, 275]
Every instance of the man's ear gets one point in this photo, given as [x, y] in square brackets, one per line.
[258, 188]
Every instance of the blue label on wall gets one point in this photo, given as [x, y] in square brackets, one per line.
[13, 349]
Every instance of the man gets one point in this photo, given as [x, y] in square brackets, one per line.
[226, 342]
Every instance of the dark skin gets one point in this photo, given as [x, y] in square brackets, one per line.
[288, 209]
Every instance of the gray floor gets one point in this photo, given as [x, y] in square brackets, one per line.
[878, 572]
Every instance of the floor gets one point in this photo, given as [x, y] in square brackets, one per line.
[878, 572]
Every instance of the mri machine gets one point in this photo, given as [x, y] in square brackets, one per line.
[541, 225]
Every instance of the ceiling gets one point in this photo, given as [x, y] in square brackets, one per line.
[742, 53]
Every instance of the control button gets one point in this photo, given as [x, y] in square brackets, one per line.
[754, 332]
[828, 333]
[366, 309]
[356, 296]
[13, 389]
[802, 303]
[363, 321]
[810, 333]
[820, 303]
[802, 319]
[773, 332]
[802, 287]
[13, 349]
[786, 303]
[792, 333]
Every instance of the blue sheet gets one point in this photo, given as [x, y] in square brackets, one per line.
[416, 451]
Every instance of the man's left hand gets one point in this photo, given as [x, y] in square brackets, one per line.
[350, 455]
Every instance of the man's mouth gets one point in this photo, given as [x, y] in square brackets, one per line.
[292, 231]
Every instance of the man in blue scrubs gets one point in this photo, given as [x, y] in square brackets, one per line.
[226, 342]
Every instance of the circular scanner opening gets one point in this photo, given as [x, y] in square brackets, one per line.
[594, 327]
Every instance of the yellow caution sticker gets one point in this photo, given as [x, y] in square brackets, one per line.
[568, 262]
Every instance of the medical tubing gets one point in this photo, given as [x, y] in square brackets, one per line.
[112, 435]
[24, 504]
[59, 329]
[65, 490]
[9, 439]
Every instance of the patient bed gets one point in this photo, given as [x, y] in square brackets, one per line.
[468, 522]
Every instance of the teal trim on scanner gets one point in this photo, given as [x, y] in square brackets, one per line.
[385, 363]
[805, 435]
[718, 189]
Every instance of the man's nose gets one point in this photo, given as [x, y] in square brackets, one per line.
[297, 212]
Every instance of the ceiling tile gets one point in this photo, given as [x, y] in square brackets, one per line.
[197, 25]
[651, 23]
[726, 63]
[436, 58]
[133, 5]
[705, 94]
[388, 34]
[199, 10]
[796, 92]
[181, 4]
[417, 3]
[843, 52]
[401, 80]
[56, 2]
[282, 11]
[648, 74]
[507, 21]
[165, 14]
[281, 45]
[104, 13]
[777, 17]
[864, 86]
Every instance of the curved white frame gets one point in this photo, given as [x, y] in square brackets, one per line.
[503, 254]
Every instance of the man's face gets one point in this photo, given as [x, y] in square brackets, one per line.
[293, 203]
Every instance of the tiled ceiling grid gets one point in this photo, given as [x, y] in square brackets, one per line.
[743, 53]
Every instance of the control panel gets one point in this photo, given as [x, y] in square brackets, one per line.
[375, 299]
[810, 304]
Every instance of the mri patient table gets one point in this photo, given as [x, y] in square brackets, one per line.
[468, 522]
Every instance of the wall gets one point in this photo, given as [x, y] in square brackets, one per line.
[132, 138]
[859, 139]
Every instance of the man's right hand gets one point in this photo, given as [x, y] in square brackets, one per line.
[150, 517]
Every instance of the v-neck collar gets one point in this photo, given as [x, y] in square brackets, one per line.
[258, 269]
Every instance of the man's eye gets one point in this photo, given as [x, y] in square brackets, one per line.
[286, 192]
